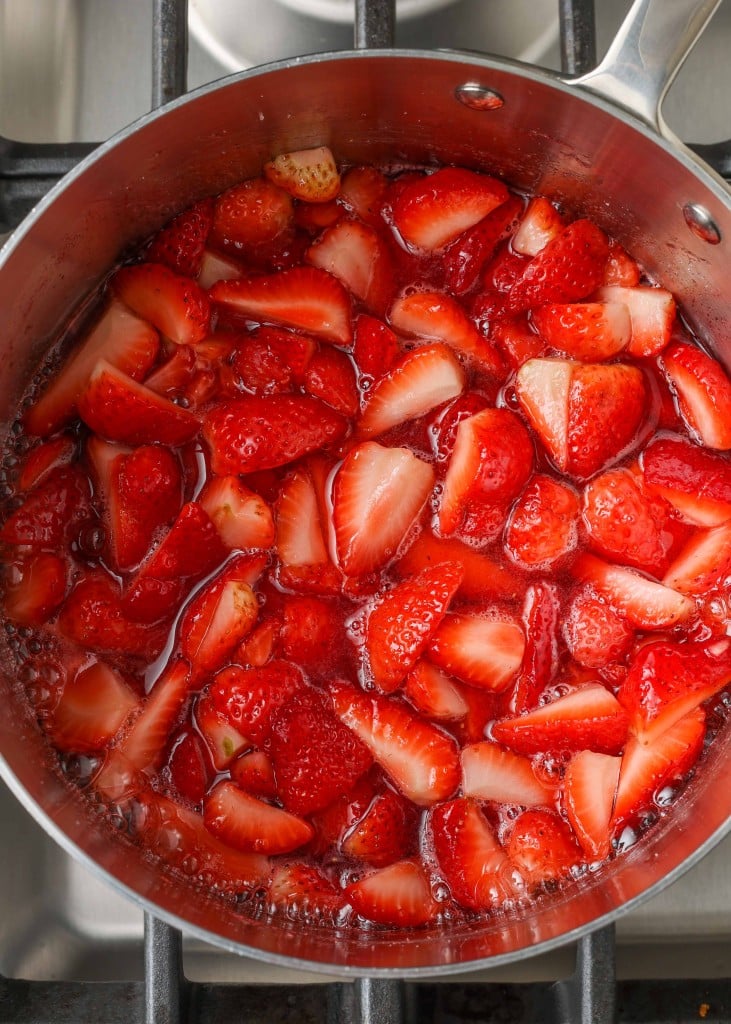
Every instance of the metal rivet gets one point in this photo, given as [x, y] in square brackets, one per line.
[701, 223]
[479, 97]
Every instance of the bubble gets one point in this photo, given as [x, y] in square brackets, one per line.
[440, 891]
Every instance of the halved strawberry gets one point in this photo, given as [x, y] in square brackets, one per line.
[398, 895]
[311, 632]
[404, 620]
[420, 381]
[377, 495]
[433, 210]
[621, 269]
[542, 614]
[249, 697]
[180, 243]
[173, 378]
[466, 256]
[308, 174]
[652, 315]
[301, 891]
[539, 224]
[316, 758]
[306, 298]
[270, 360]
[477, 650]
[542, 847]
[258, 647]
[190, 766]
[589, 331]
[470, 858]
[215, 623]
[387, 832]
[543, 526]
[330, 375]
[595, 634]
[175, 305]
[245, 823]
[667, 680]
[421, 760]
[42, 460]
[358, 256]
[251, 433]
[254, 772]
[695, 481]
[302, 540]
[703, 563]
[491, 463]
[120, 338]
[141, 749]
[375, 347]
[51, 512]
[444, 425]
[253, 213]
[567, 269]
[242, 518]
[606, 407]
[91, 709]
[362, 191]
[587, 718]
[589, 789]
[437, 317]
[215, 267]
[704, 393]
[542, 387]
[34, 588]
[483, 577]
[120, 409]
[647, 768]
[646, 603]
[432, 692]
[223, 740]
[491, 773]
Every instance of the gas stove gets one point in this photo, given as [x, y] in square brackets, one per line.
[72, 72]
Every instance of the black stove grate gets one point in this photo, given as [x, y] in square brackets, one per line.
[591, 995]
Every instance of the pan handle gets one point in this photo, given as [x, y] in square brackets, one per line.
[647, 53]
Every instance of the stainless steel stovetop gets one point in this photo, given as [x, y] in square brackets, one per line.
[79, 70]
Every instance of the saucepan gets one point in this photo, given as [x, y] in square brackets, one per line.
[599, 146]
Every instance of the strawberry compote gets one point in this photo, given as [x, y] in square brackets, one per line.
[368, 553]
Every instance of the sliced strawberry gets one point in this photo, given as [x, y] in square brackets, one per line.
[119, 409]
[435, 209]
[93, 705]
[302, 545]
[190, 767]
[242, 518]
[358, 256]
[644, 602]
[570, 267]
[542, 847]
[215, 267]
[362, 191]
[34, 589]
[482, 577]
[540, 223]
[306, 298]
[589, 788]
[141, 749]
[245, 823]
[405, 619]
[419, 382]
[51, 512]
[301, 891]
[647, 768]
[253, 213]
[652, 316]
[704, 393]
[704, 561]
[542, 387]
[621, 269]
[316, 758]
[479, 651]
[215, 623]
[445, 424]
[330, 375]
[308, 174]
[258, 647]
[312, 633]
[432, 692]
[437, 317]
[332, 824]
[252, 433]
[181, 243]
[420, 759]
[668, 680]
[42, 460]
[249, 697]
[606, 407]
[589, 331]
[119, 337]
[587, 718]
[468, 254]
[315, 217]
[387, 832]
[174, 377]
[516, 340]
[491, 463]
[695, 481]
[271, 360]
[375, 347]
[175, 305]
[223, 740]
[542, 615]
[377, 495]
[254, 773]
[595, 634]
[543, 526]
[398, 895]
[470, 858]
[491, 773]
